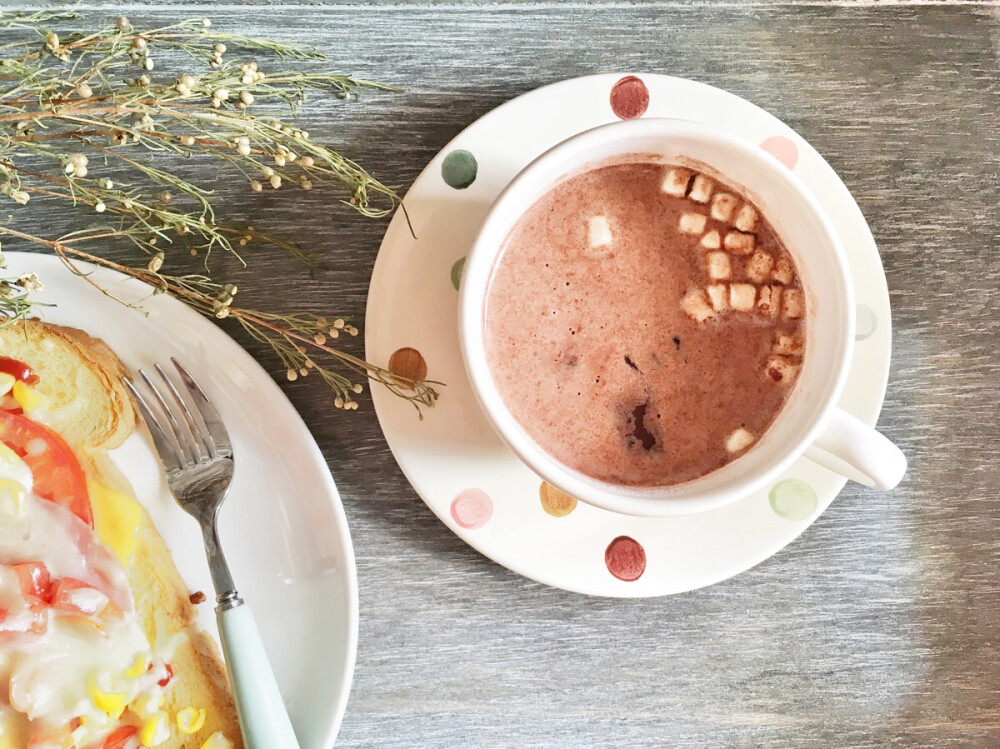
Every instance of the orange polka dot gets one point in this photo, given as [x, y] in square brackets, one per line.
[555, 501]
[408, 363]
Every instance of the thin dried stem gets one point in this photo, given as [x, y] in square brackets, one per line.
[70, 99]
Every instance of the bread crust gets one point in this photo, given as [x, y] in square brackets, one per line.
[162, 599]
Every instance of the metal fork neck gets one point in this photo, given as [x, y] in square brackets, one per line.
[222, 580]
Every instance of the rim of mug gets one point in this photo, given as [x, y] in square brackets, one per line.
[642, 500]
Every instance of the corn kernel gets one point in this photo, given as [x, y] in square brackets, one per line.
[190, 720]
[110, 703]
[27, 397]
[138, 668]
[217, 740]
[13, 498]
[147, 734]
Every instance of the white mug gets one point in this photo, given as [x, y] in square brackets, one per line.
[809, 423]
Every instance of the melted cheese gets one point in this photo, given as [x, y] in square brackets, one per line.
[57, 676]
[47, 532]
[75, 669]
[13, 727]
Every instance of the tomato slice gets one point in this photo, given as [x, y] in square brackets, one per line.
[56, 471]
[78, 597]
[35, 581]
[117, 738]
[22, 608]
[166, 679]
[18, 370]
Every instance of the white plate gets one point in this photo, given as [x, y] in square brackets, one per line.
[452, 457]
[283, 527]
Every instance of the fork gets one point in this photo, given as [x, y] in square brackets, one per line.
[198, 460]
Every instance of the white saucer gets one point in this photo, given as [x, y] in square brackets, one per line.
[453, 458]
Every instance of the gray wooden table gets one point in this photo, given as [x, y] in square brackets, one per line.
[880, 625]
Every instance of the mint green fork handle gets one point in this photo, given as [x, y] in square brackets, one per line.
[259, 707]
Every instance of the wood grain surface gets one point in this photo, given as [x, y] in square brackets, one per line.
[880, 625]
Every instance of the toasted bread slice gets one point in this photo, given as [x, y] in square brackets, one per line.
[162, 599]
[87, 403]
[80, 378]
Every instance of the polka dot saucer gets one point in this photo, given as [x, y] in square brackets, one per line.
[452, 457]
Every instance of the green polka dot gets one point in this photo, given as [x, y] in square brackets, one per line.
[793, 499]
[456, 272]
[866, 324]
[459, 169]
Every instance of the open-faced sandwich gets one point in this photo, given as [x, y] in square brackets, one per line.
[99, 648]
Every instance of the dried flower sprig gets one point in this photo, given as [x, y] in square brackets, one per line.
[83, 117]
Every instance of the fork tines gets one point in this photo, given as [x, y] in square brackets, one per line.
[182, 438]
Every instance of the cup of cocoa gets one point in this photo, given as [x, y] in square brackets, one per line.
[657, 318]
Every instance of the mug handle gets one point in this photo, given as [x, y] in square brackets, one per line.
[853, 449]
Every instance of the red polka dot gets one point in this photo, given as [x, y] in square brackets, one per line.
[626, 559]
[629, 98]
[782, 149]
[472, 508]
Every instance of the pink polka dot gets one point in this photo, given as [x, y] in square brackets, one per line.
[782, 149]
[472, 508]
[629, 98]
[625, 558]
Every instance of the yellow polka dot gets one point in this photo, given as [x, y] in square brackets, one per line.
[554, 501]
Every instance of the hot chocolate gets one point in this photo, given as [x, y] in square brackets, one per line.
[644, 323]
